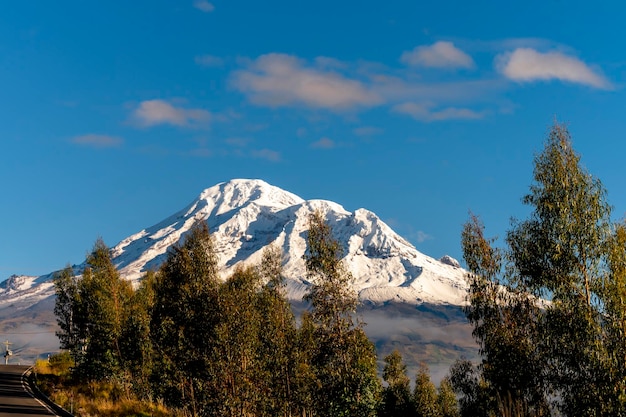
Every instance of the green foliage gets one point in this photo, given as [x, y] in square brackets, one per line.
[425, 401]
[566, 353]
[66, 311]
[446, 399]
[396, 396]
[334, 301]
[505, 320]
[136, 343]
[184, 320]
[306, 382]
[467, 382]
[559, 249]
[61, 363]
[207, 347]
[343, 359]
[91, 313]
[425, 394]
[225, 348]
[277, 335]
[105, 298]
[613, 295]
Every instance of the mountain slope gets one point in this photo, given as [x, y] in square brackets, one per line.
[411, 302]
[246, 215]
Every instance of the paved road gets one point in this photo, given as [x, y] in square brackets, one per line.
[15, 400]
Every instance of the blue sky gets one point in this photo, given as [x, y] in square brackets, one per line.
[114, 115]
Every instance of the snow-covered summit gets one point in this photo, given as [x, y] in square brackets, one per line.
[245, 215]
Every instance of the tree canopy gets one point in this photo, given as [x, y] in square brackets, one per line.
[547, 307]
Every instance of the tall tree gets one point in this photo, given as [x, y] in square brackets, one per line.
[344, 360]
[104, 308]
[136, 343]
[560, 252]
[558, 350]
[506, 326]
[237, 363]
[184, 320]
[277, 337]
[306, 382]
[612, 292]
[65, 310]
[425, 394]
[471, 389]
[446, 399]
[396, 396]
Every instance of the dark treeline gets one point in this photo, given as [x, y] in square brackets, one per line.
[233, 347]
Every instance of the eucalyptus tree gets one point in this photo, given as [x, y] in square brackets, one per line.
[396, 396]
[238, 382]
[66, 312]
[184, 321]
[344, 359]
[277, 337]
[425, 397]
[547, 307]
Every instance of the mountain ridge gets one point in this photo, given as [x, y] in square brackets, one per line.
[245, 215]
[410, 302]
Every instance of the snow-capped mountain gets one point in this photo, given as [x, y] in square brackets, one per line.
[246, 215]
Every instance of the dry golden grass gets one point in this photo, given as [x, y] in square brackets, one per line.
[100, 399]
[85, 407]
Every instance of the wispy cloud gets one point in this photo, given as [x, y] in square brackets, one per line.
[425, 113]
[527, 64]
[441, 54]
[301, 132]
[324, 143]
[209, 61]
[97, 141]
[201, 152]
[204, 6]
[237, 142]
[367, 131]
[417, 236]
[284, 80]
[243, 147]
[160, 112]
[267, 154]
[421, 237]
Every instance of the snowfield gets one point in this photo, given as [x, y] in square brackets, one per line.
[245, 216]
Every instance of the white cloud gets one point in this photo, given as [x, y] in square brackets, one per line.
[425, 112]
[441, 54]
[204, 6]
[209, 61]
[324, 143]
[527, 64]
[159, 112]
[97, 141]
[283, 80]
